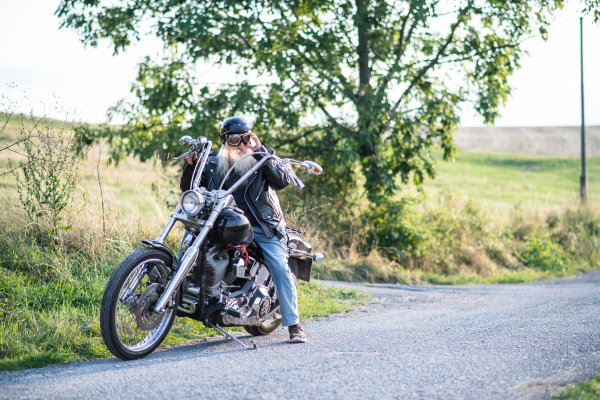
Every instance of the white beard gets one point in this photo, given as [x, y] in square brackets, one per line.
[228, 156]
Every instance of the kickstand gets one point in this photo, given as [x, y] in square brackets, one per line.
[229, 335]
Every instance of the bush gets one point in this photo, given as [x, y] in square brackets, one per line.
[543, 254]
[393, 228]
[47, 178]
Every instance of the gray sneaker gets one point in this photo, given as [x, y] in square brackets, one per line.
[297, 334]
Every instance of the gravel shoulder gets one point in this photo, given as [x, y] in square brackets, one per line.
[452, 342]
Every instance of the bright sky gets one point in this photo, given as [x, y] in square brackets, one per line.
[53, 67]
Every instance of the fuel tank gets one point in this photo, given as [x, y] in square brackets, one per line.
[232, 229]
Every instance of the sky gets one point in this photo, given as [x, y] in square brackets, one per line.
[48, 67]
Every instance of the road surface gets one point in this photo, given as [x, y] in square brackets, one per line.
[448, 342]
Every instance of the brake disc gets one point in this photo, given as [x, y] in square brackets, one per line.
[147, 319]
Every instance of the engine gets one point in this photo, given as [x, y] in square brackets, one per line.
[252, 302]
[240, 288]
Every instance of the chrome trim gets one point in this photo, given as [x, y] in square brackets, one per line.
[186, 140]
[163, 235]
[190, 288]
[189, 258]
[186, 218]
[317, 257]
[196, 204]
[206, 146]
[191, 306]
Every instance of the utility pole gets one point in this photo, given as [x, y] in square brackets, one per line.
[583, 178]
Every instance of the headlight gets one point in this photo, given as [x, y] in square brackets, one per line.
[191, 202]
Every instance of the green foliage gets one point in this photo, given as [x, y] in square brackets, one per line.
[589, 390]
[47, 178]
[592, 7]
[318, 301]
[545, 255]
[391, 227]
[367, 88]
[450, 239]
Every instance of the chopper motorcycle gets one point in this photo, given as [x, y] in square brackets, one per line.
[221, 280]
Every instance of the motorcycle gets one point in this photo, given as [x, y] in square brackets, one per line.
[222, 279]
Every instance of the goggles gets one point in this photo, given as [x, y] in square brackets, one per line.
[236, 139]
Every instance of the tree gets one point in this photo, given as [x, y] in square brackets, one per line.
[368, 87]
[592, 7]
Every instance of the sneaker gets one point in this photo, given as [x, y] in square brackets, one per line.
[297, 334]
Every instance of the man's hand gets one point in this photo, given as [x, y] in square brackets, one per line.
[255, 140]
[190, 158]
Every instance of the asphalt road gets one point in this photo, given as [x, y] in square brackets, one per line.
[448, 342]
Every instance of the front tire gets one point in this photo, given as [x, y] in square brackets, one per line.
[120, 330]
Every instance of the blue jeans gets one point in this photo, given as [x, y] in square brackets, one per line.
[276, 257]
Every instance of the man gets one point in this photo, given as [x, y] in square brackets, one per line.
[257, 198]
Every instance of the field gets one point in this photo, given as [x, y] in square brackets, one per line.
[505, 179]
[486, 218]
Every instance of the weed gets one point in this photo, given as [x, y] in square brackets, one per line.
[589, 390]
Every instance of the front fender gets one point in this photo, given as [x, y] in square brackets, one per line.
[161, 246]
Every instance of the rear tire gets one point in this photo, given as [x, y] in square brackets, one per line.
[120, 331]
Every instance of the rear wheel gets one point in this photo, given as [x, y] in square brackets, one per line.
[130, 328]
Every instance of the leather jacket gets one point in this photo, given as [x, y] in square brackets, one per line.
[259, 193]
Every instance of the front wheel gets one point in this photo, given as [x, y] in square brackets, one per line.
[130, 328]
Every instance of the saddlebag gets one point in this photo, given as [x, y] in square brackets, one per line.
[301, 268]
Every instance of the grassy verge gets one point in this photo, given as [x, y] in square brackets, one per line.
[589, 390]
[50, 300]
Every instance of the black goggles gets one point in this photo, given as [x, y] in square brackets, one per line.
[236, 139]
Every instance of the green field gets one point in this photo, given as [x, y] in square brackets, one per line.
[503, 179]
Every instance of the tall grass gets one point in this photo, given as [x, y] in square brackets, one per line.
[453, 239]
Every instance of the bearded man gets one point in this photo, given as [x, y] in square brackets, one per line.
[259, 202]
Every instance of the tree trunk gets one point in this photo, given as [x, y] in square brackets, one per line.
[363, 48]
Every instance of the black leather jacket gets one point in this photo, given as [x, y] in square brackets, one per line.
[259, 194]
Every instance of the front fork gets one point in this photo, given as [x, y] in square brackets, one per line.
[189, 258]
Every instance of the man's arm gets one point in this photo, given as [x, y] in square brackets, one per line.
[187, 174]
[273, 172]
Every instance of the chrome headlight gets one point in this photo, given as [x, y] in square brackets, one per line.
[191, 202]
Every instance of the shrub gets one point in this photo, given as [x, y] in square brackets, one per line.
[47, 178]
[543, 254]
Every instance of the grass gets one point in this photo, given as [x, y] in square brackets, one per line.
[589, 390]
[50, 301]
[504, 179]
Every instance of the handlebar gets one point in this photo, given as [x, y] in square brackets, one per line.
[204, 145]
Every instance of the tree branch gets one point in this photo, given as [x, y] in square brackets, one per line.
[433, 62]
[399, 51]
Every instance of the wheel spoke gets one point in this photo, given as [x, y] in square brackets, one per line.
[128, 332]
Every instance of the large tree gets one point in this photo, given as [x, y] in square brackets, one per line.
[368, 87]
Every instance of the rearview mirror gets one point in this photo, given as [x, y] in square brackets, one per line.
[186, 140]
[312, 167]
